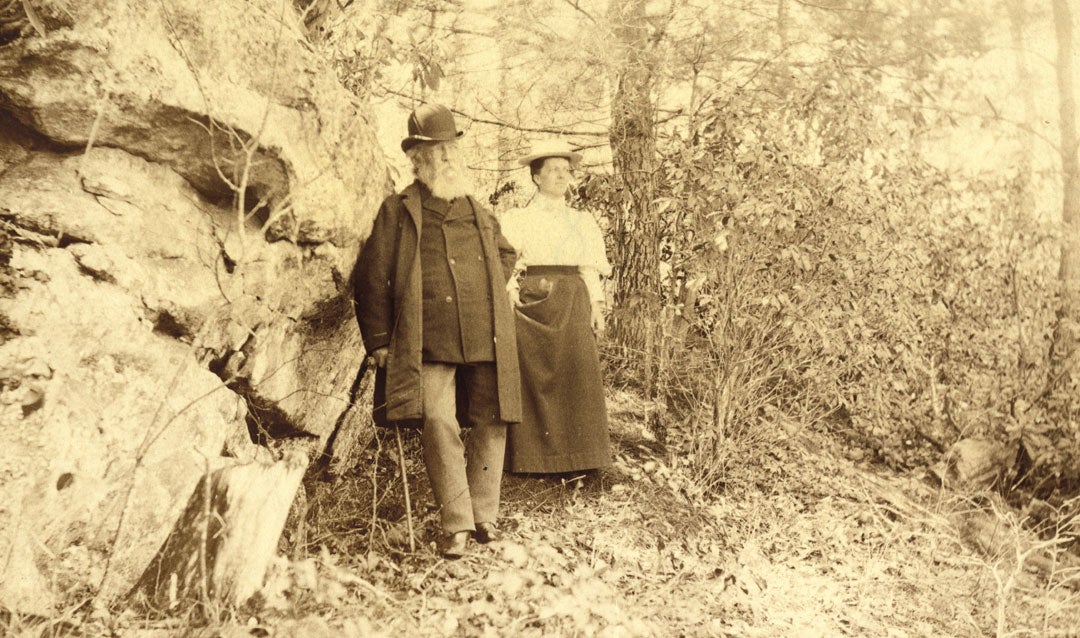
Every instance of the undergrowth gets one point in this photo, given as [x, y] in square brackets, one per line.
[790, 538]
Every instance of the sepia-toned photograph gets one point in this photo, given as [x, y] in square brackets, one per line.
[541, 318]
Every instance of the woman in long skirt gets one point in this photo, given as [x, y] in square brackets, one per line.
[559, 314]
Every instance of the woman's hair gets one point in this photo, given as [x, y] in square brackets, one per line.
[536, 165]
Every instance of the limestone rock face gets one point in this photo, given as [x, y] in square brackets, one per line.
[183, 187]
[209, 89]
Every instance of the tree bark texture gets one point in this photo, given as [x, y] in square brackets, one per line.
[633, 148]
[219, 549]
[1067, 330]
[782, 25]
[1017, 21]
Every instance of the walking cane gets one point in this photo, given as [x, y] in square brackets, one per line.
[327, 454]
[404, 477]
[405, 488]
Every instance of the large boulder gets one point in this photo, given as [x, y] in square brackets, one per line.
[183, 187]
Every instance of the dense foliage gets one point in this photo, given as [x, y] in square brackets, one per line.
[820, 271]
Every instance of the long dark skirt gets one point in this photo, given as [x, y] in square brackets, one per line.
[564, 420]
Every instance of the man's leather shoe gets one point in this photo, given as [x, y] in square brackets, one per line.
[453, 545]
[487, 533]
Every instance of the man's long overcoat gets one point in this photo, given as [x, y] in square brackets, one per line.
[387, 292]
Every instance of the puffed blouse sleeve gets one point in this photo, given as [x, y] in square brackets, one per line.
[595, 254]
[511, 223]
[594, 261]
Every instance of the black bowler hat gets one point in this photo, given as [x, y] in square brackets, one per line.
[430, 123]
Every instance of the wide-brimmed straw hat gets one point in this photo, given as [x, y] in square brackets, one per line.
[430, 123]
[550, 148]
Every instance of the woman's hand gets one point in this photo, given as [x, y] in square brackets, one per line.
[513, 289]
[599, 324]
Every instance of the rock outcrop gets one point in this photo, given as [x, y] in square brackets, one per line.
[183, 187]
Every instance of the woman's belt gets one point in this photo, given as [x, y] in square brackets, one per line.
[551, 270]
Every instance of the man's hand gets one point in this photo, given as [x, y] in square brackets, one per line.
[379, 356]
[598, 322]
[513, 290]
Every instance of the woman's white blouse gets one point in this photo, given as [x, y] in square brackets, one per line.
[548, 232]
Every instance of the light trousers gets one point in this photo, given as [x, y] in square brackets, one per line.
[465, 478]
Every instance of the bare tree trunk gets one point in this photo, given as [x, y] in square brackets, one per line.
[218, 552]
[782, 25]
[505, 147]
[1020, 211]
[633, 149]
[1017, 22]
[1067, 330]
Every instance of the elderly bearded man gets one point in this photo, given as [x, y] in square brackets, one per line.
[430, 289]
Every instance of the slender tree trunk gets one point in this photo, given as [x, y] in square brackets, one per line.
[1018, 215]
[1017, 22]
[505, 147]
[1067, 330]
[633, 149]
[782, 24]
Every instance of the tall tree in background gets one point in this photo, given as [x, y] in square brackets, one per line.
[1067, 330]
[1017, 21]
[635, 223]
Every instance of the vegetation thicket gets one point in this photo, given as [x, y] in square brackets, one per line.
[819, 270]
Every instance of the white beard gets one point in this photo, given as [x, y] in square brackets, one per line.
[445, 181]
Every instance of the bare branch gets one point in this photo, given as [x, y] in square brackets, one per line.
[577, 7]
[505, 124]
[862, 9]
[32, 16]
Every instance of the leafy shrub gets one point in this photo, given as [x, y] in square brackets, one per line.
[817, 270]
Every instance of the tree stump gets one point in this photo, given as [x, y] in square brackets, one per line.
[219, 549]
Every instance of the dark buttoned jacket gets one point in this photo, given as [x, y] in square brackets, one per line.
[388, 287]
[458, 325]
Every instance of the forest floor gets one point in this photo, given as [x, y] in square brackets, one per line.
[796, 541]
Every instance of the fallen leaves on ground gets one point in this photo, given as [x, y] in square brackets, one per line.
[812, 545]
